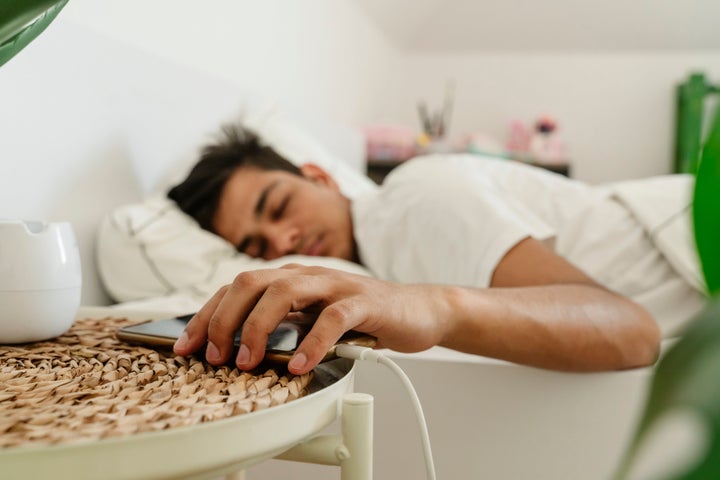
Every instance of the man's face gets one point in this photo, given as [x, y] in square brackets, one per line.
[272, 213]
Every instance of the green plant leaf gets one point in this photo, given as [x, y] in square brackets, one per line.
[23, 20]
[706, 209]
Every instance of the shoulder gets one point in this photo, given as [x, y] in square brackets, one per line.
[440, 166]
[477, 170]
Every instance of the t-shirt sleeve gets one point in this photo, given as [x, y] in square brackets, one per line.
[445, 234]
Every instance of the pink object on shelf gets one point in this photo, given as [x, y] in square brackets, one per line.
[539, 144]
[546, 146]
[519, 137]
[390, 142]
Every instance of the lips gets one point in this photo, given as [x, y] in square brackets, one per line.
[314, 249]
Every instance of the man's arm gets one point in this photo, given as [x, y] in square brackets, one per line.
[543, 311]
[540, 311]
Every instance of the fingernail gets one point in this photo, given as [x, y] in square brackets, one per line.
[298, 361]
[181, 343]
[243, 356]
[212, 353]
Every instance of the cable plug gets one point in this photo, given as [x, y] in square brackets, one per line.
[354, 352]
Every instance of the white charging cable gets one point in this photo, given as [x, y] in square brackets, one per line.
[355, 352]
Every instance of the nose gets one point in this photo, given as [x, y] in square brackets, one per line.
[282, 239]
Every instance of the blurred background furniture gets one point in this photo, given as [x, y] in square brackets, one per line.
[696, 97]
[377, 170]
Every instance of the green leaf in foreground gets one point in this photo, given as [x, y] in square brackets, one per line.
[23, 20]
[706, 209]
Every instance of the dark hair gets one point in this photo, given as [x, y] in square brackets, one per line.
[199, 194]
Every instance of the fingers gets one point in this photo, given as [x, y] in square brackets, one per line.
[259, 301]
[282, 297]
[332, 323]
[240, 298]
[218, 320]
[195, 334]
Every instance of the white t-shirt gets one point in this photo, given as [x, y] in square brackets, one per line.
[450, 219]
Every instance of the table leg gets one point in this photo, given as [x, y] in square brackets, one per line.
[356, 461]
[352, 450]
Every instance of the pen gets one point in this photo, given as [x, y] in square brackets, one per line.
[424, 118]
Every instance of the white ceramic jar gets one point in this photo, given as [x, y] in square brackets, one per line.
[40, 280]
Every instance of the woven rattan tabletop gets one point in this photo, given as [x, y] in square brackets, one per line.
[87, 385]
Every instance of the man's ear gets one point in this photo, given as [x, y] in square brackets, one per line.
[318, 175]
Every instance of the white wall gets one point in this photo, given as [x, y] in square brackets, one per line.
[61, 150]
[317, 55]
[615, 110]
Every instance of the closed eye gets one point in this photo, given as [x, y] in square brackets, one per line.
[243, 246]
[262, 248]
[254, 247]
[278, 212]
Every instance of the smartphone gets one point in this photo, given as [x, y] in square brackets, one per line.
[281, 344]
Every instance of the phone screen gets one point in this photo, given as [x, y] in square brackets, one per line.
[281, 345]
[286, 337]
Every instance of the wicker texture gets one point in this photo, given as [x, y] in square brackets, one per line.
[87, 385]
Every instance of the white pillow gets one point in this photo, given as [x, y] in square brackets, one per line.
[152, 248]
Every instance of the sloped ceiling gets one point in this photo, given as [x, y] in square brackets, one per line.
[547, 25]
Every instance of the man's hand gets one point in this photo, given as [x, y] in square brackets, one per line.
[402, 317]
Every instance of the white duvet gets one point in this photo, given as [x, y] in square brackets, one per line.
[649, 201]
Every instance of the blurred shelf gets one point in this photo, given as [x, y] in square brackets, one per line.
[377, 170]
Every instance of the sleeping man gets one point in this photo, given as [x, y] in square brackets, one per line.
[485, 256]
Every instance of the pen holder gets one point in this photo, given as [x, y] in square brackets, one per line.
[429, 145]
[40, 280]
